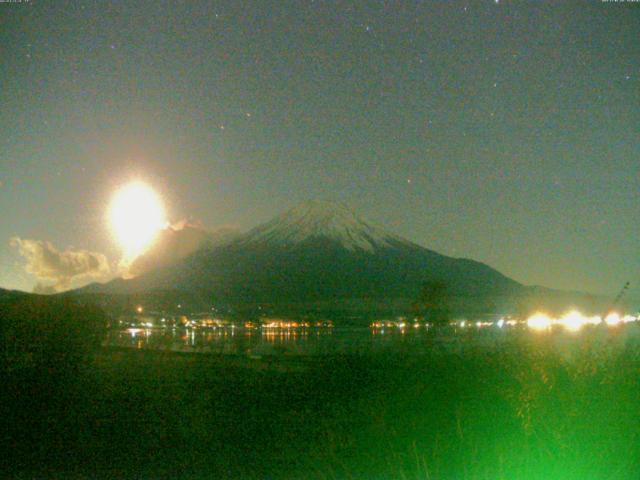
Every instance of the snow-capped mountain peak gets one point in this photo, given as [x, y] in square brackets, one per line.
[321, 219]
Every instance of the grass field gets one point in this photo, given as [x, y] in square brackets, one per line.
[537, 408]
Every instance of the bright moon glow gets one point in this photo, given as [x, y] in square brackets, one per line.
[136, 216]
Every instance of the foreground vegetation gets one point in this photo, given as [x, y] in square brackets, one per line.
[538, 408]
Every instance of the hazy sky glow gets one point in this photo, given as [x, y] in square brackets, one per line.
[505, 132]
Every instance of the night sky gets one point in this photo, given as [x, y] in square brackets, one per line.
[503, 131]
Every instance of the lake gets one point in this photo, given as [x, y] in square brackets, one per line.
[349, 340]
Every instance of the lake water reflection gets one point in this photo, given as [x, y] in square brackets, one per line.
[327, 341]
[289, 337]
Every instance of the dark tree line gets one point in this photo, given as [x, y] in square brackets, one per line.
[37, 331]
[433, 302]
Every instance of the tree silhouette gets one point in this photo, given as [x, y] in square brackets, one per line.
[433, 302]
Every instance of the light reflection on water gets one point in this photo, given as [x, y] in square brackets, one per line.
[326, 341]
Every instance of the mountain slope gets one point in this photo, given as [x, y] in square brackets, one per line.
[9, 295]
[321, 219]
[175, 244]
[316, 251]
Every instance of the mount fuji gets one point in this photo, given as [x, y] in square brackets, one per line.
[316, 252]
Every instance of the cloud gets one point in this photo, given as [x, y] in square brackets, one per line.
[177, 242]
[47, 263]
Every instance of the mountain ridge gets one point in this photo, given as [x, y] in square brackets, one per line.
[315, 251]
[316, 218]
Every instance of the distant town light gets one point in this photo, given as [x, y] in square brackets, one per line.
[613, 319]
[595, 320]
[539, 321]
[573, 321]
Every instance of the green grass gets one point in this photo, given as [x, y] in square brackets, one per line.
[536, 408]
